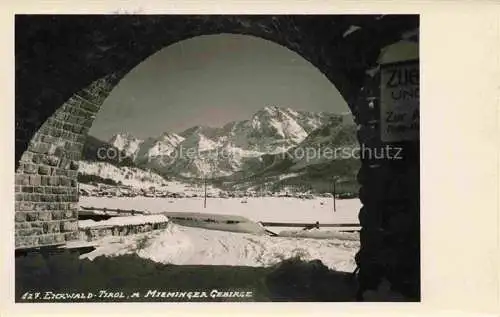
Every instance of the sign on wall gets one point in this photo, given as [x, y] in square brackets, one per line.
[399, 101]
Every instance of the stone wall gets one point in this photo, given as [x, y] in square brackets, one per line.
[390, 194]
[46, 189]
[92, 234]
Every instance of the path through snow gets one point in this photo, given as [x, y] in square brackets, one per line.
[196, 246]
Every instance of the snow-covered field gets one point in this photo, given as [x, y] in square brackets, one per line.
[267, 209]
[187, 245]
[194, 245]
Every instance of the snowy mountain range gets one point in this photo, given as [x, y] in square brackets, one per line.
[311, 165]
[221, 151]
[258, 153]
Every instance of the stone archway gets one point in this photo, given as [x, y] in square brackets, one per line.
[58, 55]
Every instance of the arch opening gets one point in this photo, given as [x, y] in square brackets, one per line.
[49, 163]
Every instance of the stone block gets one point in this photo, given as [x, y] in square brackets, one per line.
[72, 174]
[39, 189]
[30, 168]
[61, 115]
[67, 126]
[54, 180]
[32, 216]
[22, 225]
[76, 128]
[59, 172]
[19, 179]
[38, 158]
[64, 181]
[40, 206]
[35, 180]
[45, 216]
[88, 106]
[19, 216]
[60, 190]
[29, 232]
[69, 226]
[58, 215]
[51, 160]
[57, 124]
[26, 206]
[45, 180]
[56, 132]
[70, 236]
[51, 227]
[39, 147]
[47, 239]
[26, 241]
[27, 157]
[48, 139]
[60, 238]
[44, 170]
[73, 103]
[36, 197]
[27, 189]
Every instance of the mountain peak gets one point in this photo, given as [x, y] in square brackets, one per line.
[269, 111]
[169, 137]
[272, 110]
[122, 136]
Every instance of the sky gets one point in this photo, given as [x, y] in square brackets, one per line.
[212, 80]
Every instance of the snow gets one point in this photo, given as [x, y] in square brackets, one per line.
[194, 246]
[350, 30]
[289, 175]
[122, 221]
[373, 71]
[194, 243]
[400, 51]
[409, 34]
[127, 143]
[199, 142]
[141, 149]
[265, 209]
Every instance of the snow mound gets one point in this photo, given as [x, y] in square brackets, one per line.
[195, 246]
